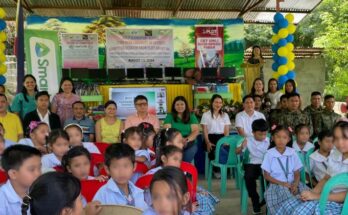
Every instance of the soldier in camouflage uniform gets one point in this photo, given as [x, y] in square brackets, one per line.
[314, 111]
[276, 113]
[328, 117]
[294, 116]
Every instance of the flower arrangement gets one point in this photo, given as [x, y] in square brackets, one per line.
[231, 108]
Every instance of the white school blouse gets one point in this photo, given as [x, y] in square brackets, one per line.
[257, 149]
[337, 165]
[91, 147]
[271, 165]
[215, 125]
[50, 161]
[26, 141]
[318, 165]
[305, 149]
[243, 120]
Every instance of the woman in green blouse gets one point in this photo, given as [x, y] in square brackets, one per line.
[186, 123]
[24, 102]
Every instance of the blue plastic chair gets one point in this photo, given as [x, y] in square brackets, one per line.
[233, 141]
[244, 192]
[337, 180]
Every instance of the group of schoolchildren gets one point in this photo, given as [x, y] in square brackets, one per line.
[65, 152]
[279, 159]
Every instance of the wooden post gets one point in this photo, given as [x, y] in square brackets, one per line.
[278, 5]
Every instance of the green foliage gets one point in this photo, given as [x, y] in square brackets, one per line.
[259, 34]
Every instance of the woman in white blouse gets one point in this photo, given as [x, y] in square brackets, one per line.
[215, 124]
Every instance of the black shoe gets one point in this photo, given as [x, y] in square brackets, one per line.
[257, 211]
[263, 202]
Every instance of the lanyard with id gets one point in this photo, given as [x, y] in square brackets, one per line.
[129, 198]
[285, 170]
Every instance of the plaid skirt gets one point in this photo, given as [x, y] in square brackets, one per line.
[207, 202]
[276, 195]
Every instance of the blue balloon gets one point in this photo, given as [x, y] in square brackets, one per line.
[2, 79]
[282, 42]
[283, 23]
[290, 38]
[277, 17]
[291, 75]
[275, 66]
[2, 25]
[282, 79]
[275, 29]
[274, 48]
[282, 60]
[275, 57]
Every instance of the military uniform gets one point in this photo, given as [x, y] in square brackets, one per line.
[328, 120]
[294, 118]
[274, 116]
[314, 115]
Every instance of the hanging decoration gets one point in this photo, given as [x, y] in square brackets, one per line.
[3, 38]
[283, 47]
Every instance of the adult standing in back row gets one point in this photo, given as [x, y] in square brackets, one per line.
[186, 123]
[63, 100]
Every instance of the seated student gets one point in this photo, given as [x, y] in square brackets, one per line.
[281, 166]
[133, 139]
[8, 142]
[60, 188]
[169, 193]
[2, 149]
[257, 146]
[302, 144]
[172, 156]
[76, 137]
[319, 158]
[77, 161]
[308, 201]
[58, 144]
[23, 166]
[119, 190]
[87, 125]
[38, 132]
[148, 135]
[328, 117]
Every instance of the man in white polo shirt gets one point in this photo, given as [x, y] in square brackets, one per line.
[245, 118]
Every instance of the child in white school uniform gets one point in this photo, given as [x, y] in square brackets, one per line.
[302, 144]
[119, 190]
[132, 137]
[308, 203]
[38, 132]
[318, 160]
[257, 145]
[148, 133]
[281, 166]
[75, 133]
[23, 166]
[169, 193]
[58, 144]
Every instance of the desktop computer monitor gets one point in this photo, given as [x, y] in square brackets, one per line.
[79, 73]
[135, 73]
[117, 74]
[209, 74]
[97, 74]
[172, 72]
[66, 73]
[154, 73]
[227, 72]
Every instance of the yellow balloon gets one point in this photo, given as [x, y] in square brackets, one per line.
[3, 36]
[290, 47]
[3, 69]
[291, 56]
[282, 70]
[291, 28]
[275, 75]
[282, 51]
[2, 13]
[2, 47]
[275, 39]
[283, 33]
[290, 17]
[2, 58]
[290, 65]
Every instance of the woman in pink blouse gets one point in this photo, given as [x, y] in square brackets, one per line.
[63, 100]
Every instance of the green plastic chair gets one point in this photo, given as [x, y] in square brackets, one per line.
[244, 196]
[337, 180]
[233, 141]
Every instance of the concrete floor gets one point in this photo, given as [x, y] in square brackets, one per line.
[230, 203]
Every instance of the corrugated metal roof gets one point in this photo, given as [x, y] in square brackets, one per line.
[161, 9]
